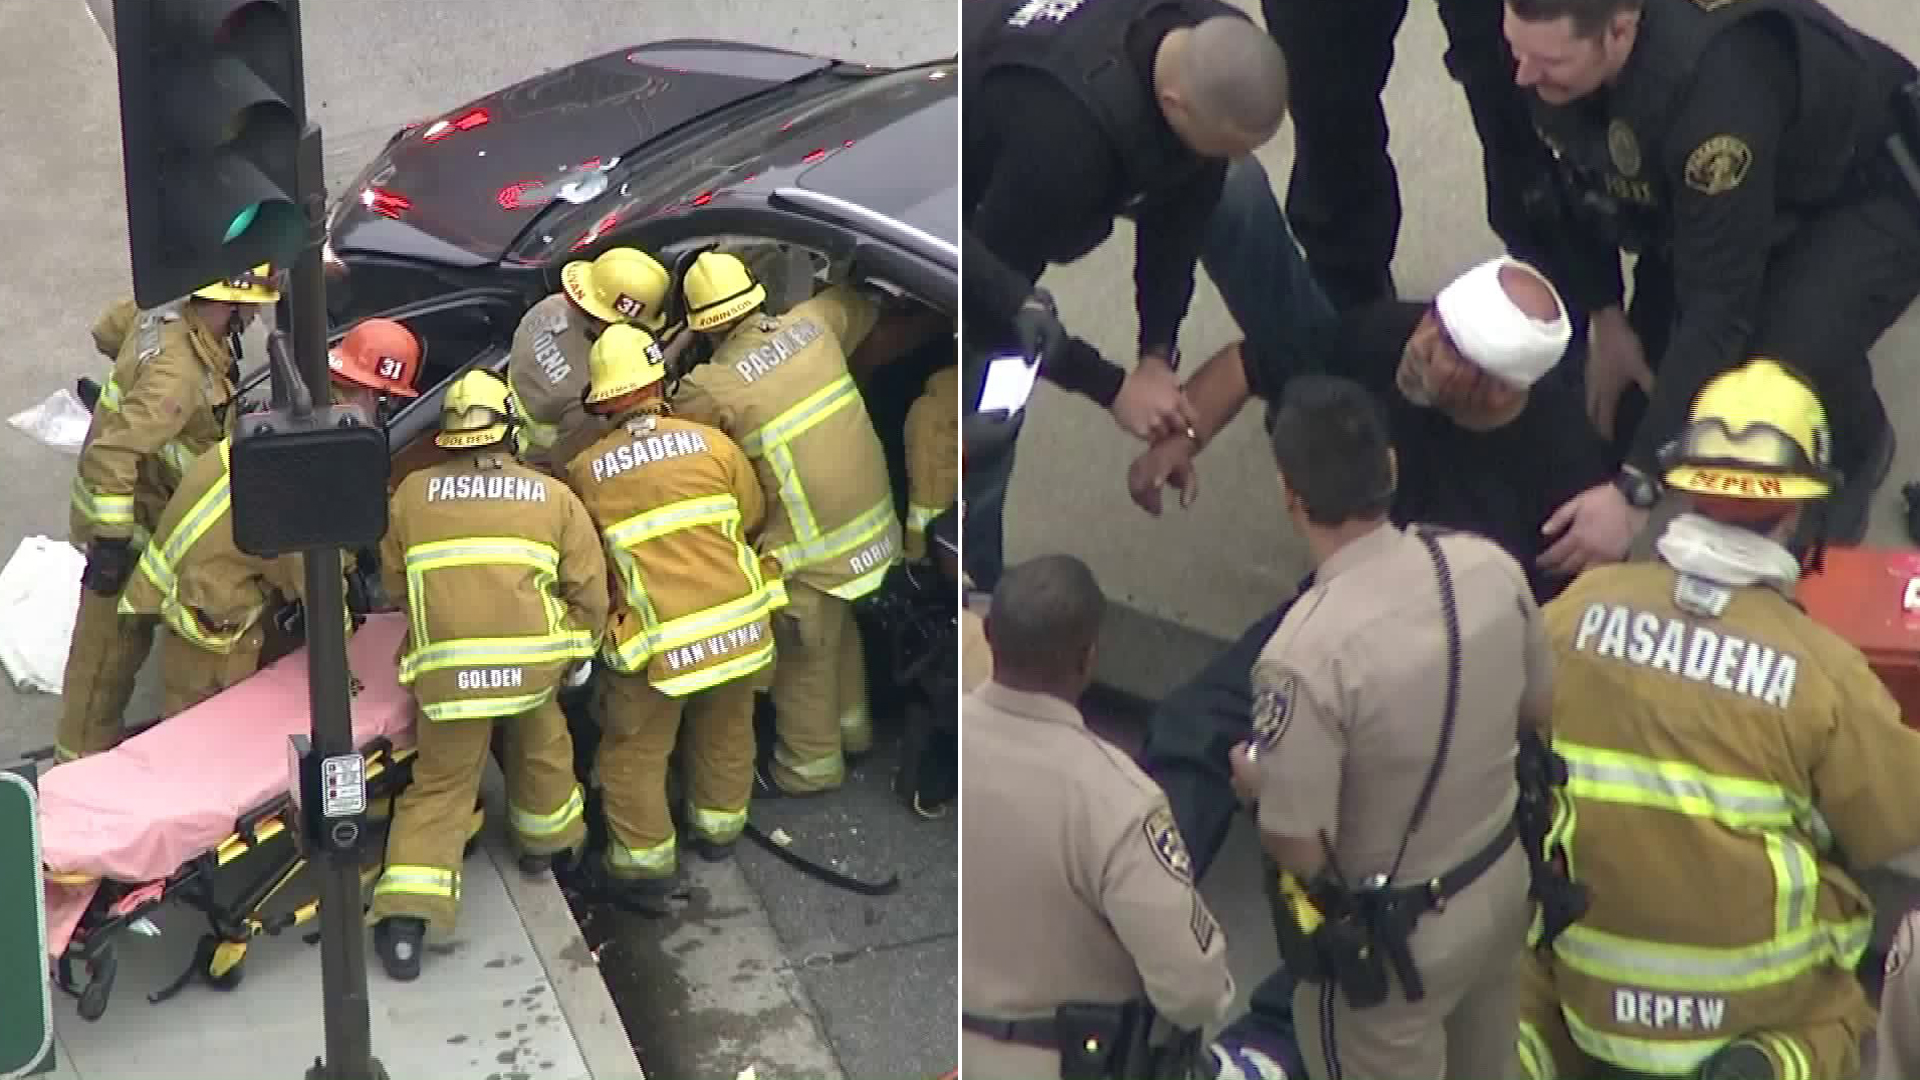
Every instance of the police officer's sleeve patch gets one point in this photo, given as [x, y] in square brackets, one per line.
[1273, 708]
[1202, 924]
[1901, 948]
[1163, 836]
[1718, 165]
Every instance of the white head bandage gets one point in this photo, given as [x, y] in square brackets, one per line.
[1491, 331]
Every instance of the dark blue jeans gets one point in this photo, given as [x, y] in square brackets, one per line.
[1253, 260]
[1185, 752]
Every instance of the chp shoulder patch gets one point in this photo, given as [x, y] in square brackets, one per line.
[1900, 950]
[1273, 708]
[1163, 836]
[1718, 165]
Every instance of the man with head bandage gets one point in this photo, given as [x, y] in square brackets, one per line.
[1484, 444]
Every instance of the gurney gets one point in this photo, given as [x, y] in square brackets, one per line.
[196, 809]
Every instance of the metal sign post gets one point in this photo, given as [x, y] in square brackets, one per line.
[26, 1005]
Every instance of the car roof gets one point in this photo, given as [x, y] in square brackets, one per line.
[908, 170]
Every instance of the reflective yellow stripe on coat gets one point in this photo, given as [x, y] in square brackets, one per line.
[774, 442]
[558, 645]
[1800, 941]
[630, 656]
[160, 562]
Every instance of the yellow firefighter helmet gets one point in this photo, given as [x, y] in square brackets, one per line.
[258, 286]
[625, 359]
[477, 412]
[719, 289]
[623, 285]
[1756, 432]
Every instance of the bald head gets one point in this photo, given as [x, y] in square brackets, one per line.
[1231, 78]
[1530, 293]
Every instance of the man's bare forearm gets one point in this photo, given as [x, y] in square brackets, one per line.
[1217, 392]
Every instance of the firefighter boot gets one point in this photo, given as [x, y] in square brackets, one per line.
[399, 941]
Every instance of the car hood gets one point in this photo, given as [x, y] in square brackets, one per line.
[458, 188]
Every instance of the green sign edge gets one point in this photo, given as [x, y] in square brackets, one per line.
[40, 910]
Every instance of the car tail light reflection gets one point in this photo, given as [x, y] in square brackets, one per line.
[466, 121]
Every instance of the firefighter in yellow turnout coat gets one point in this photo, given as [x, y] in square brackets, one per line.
[506, 588]
[210, 597]
[548, 365]
[1730, 760]
[168, 399]
[780, 388]
[933, 456]
[678, 506]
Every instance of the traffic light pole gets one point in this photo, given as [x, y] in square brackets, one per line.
[343, 943]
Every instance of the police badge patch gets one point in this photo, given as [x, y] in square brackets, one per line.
[1718, 165]
[1623, 148]
[1273, 710]
[1164, 837]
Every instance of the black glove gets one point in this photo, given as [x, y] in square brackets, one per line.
[292, 620]
[359, 593]
[1038, 325]
[109, 565]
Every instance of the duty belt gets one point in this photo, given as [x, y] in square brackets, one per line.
[1040, 1033]
[1436, 892]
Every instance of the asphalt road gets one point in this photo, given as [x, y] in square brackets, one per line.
[1217, 566]
[373, 65]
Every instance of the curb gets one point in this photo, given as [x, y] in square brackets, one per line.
[562, 950]
[1143, 657]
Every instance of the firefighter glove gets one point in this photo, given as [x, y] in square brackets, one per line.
[109, 564]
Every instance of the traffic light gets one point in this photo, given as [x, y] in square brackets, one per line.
[212, 105]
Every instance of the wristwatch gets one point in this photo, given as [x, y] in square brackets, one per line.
[1641, 490]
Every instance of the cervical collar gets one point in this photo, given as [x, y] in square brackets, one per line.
[1492, 332]
[1726, 554]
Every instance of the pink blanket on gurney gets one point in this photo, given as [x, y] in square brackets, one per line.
[140, 811]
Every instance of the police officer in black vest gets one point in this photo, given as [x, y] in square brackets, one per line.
[1079, 111]
[1756, 154]
[1343, 199]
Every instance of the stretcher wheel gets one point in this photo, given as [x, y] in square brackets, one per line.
[100, 975]
[226, 965]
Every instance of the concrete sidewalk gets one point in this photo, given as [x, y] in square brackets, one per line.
[515, 996]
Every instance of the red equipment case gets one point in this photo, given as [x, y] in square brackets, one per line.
[1871, 597]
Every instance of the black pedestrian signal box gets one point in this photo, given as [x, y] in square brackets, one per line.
[212, 104]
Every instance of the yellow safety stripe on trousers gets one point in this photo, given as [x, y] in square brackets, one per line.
[654, 860]
[714, 511]
[175, 453]
[706, 678]
[538, 827]
[1799, 940]
[428, 881]
[158, 562]
[1535, 1057]
[718, 826]
[1790, 1058]
[919, 517]
[488, 708]
[1659, 1057]
[856, 717]
[556, 645]
[825, 767]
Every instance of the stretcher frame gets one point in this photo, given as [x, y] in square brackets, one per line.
[233, 922]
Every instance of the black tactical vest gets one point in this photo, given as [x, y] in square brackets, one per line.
[1614, 154]
[1082, 44]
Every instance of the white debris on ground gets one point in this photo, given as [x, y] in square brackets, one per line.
[60, 422]
[39, 596]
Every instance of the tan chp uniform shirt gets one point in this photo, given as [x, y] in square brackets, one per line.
[1078, 887]
[1349, 696]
